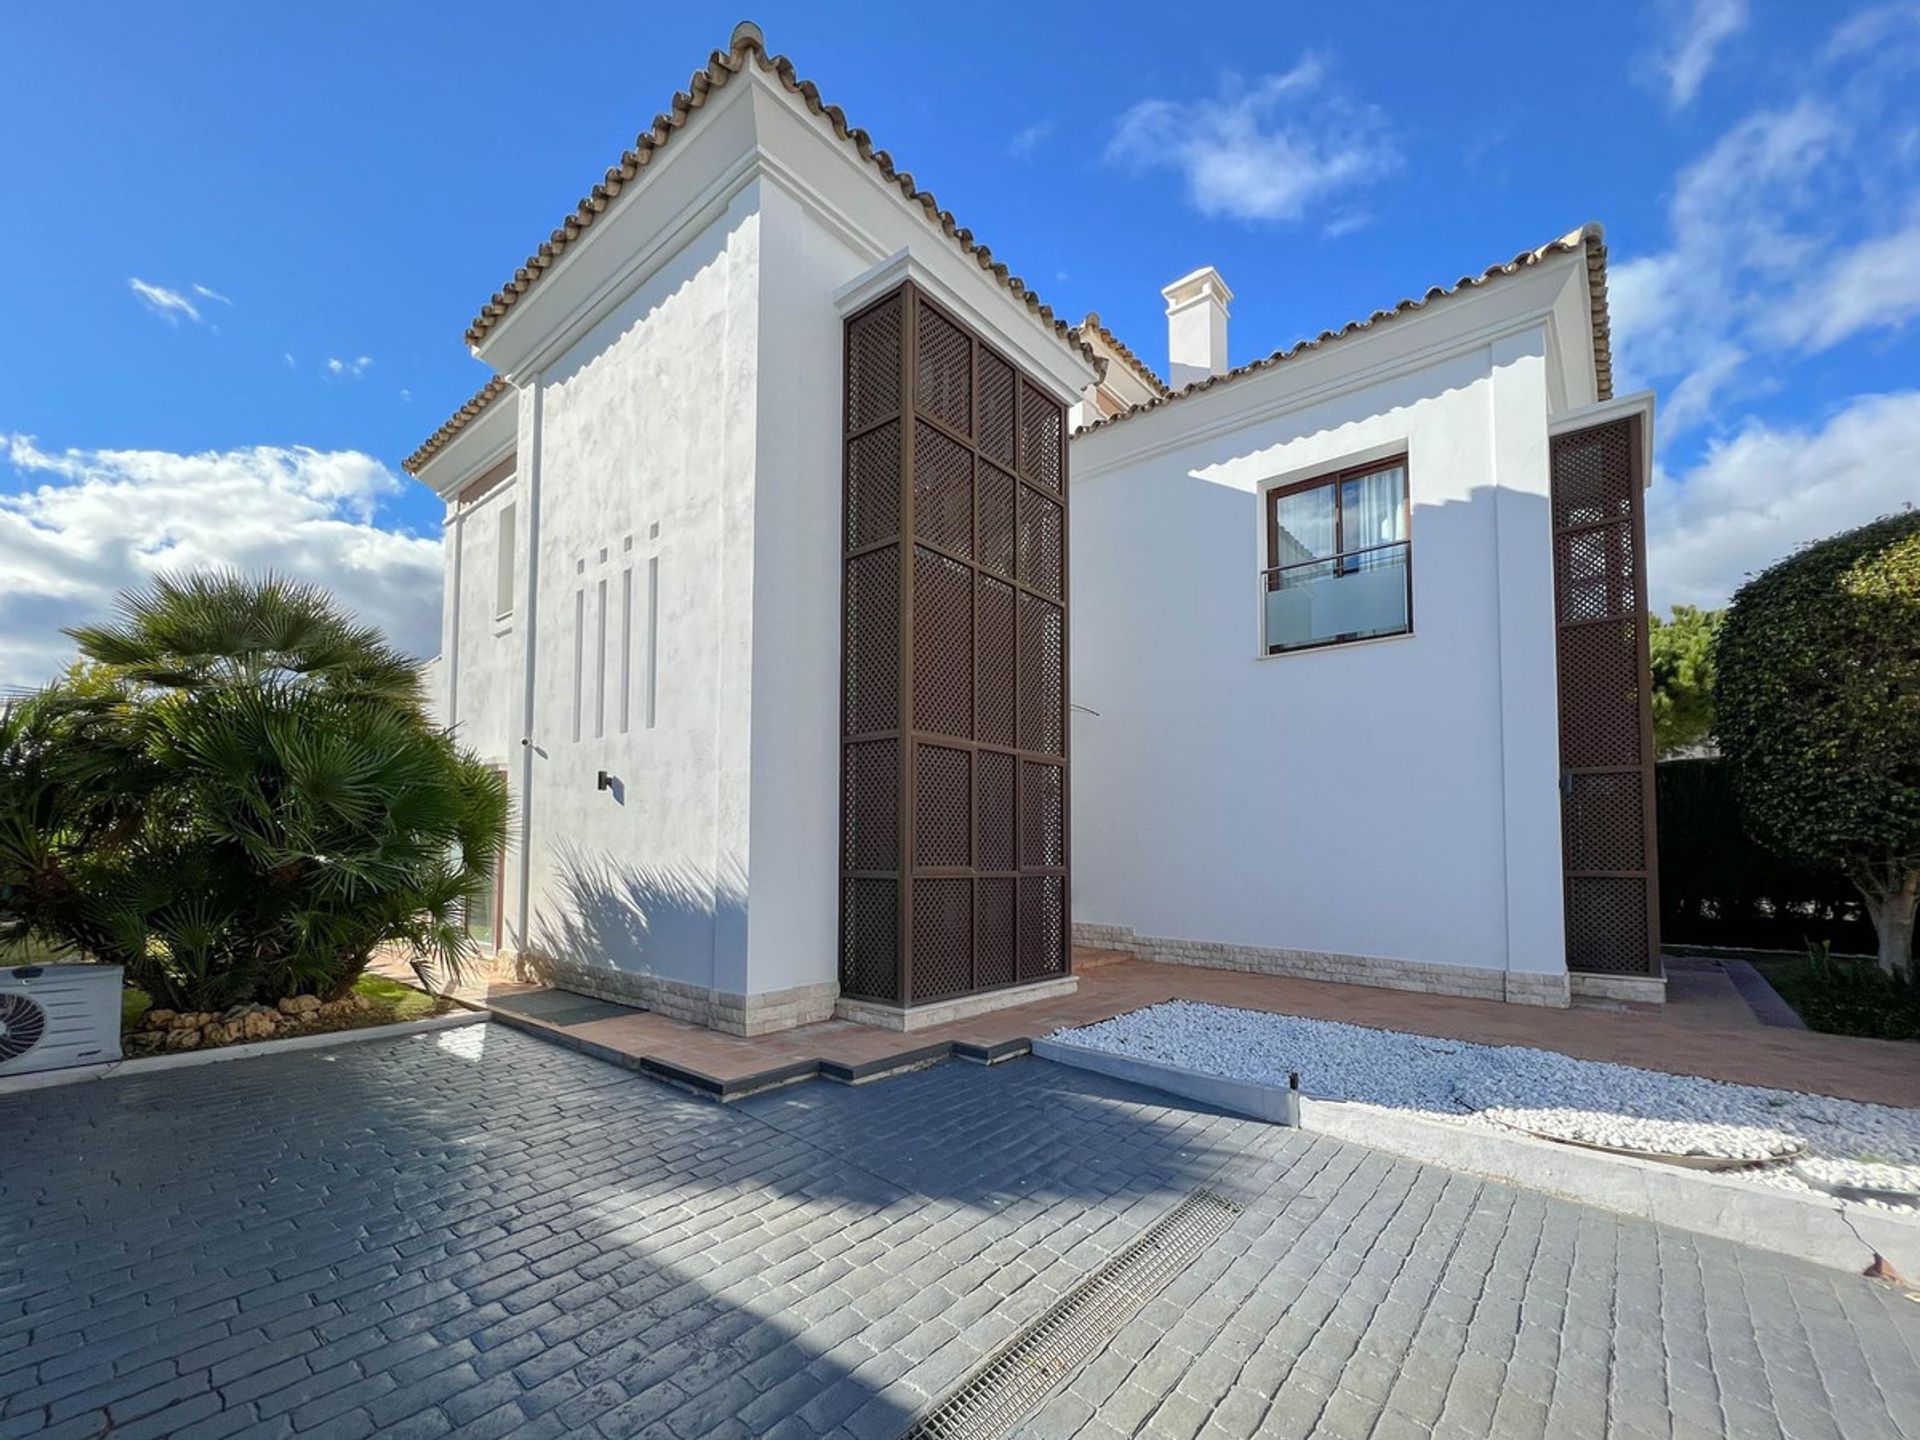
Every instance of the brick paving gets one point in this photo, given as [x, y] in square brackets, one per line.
[1705, 1029]
[478, 1233]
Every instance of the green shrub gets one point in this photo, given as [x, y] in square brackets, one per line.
[1817, 710]
[240, 797]
[1852, 997]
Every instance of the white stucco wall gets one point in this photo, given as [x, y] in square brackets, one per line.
[1394, 799]
[645, 449]
[482, 678]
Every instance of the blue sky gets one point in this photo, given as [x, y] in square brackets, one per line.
[243, 241]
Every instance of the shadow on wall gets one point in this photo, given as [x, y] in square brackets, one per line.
[663, 920]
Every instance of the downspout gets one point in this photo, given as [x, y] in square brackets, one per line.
[530, 414]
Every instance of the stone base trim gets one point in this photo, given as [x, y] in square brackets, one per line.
[729, 1012]
[945, 1012]
[1647, 989]
[1514, 986]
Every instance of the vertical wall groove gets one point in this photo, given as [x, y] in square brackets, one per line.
[954, 860]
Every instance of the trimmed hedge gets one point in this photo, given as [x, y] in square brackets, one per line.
[1720, 887]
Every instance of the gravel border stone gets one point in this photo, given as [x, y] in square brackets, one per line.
[1833, 1144]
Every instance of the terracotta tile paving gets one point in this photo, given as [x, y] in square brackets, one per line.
[1705, 1029]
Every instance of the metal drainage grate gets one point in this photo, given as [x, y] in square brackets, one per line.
[1017, 1377]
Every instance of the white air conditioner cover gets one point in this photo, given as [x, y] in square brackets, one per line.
[52, 1016]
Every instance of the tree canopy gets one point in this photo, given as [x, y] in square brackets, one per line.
[1681, 650]
[239, 795]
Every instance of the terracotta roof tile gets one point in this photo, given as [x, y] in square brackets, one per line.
[1114, 343]
[1589, 238]
[747, 46]
[456, 422]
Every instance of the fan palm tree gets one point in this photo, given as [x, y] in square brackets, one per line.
[242, 798]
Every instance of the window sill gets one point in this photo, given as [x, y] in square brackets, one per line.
[1334, 647]
[503, 624]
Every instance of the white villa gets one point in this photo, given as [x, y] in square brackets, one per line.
[856, 635]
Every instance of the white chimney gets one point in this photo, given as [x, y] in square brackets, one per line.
[1196, 326]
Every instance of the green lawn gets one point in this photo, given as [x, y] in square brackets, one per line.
[1842, 996]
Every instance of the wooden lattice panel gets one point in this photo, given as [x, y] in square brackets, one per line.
[870, 806]
[873, 485]
[994, 841]
[996, 499]
[1600, 667]
[1042, 434]
[870, 938]
[943, 807]
[943, 388]
[942, 941]
[955, 789]
[997, 423]
[995, 941]
[1043, 543]
[873, 365]
[1043, 676]
[942, 644]
[1606, 727]
[1043, 926]
[942, 490]
[1605, 827]
[1607, 924]
[872, 647]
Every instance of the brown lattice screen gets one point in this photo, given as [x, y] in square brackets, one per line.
[1606, 719]
[954, 775]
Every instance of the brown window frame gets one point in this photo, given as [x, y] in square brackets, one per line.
[1336, 478]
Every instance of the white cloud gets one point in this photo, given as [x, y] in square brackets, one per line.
[1695, 39]
[1028, 140]
[1755, 498]
[1261, 151]
[287, 358]
[349, 369]
[1797, 229]
[97, 522]
[1888, 30]
[1875, 285]
[206, 293]
[169, 305]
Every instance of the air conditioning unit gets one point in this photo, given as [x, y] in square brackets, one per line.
[53, 1016]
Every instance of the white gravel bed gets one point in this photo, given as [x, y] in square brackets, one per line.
[1836, 1142]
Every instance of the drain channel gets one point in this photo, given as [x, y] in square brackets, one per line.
[1018, 1376]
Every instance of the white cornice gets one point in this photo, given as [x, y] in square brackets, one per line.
[483, 442]
[1063, 378]
[1621, 407]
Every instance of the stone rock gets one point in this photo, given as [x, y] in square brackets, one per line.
[143, 1042]
[178, 1039]
[299, 1005]
[219, 1032]
[159, 1019]
[190, 1020]
[258, 1024]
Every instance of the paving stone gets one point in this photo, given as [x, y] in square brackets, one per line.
[534, 1244]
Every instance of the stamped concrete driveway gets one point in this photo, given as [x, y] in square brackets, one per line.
[476, 1233]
